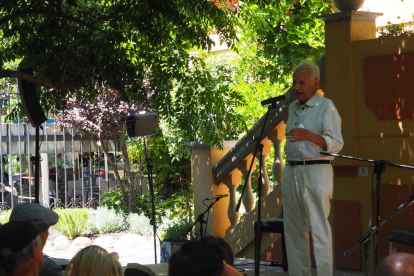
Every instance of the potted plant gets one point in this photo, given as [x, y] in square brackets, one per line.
[173, 237]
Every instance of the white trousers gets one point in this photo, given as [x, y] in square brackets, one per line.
[306, 192]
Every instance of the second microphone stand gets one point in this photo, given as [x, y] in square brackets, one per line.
[200, 218]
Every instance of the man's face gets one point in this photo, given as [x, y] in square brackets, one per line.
[38, 259]
[304, 85]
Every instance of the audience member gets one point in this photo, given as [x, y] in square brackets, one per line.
[20, 249]
[201, 258]
[43, 218]
[400, 264]
[93, 260]
[226, 251]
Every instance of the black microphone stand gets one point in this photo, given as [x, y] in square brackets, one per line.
[200, 218]
[379, 169]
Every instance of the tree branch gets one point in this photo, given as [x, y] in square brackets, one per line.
[42, 82]
[106, 18]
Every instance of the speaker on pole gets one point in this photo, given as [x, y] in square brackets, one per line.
[31, 105]
[36, 116]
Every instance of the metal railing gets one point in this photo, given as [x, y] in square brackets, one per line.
[73, 171]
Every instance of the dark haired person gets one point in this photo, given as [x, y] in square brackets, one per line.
[200, 258]
[20, 249]
[225, 249]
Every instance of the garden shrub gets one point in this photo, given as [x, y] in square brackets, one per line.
[72, 222]
[112, 199]
[177, 232]
[104, 220]
[139, 224]
[174, 228]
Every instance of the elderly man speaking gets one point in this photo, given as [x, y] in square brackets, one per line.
[314, 125]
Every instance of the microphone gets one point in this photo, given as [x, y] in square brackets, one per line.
[216, 197]
[273, 101]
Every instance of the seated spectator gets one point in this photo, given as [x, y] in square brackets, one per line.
[201, 258]
[226, 251]
[93, 260]
[400, 264]
[40, 217]
[20, 249]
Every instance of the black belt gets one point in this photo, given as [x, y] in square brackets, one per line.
[310, 162]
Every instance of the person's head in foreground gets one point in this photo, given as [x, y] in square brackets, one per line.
[305, 81]
[20, 249]
[400, 264]
[200, 258]
[41, 217]
[226, 251]
[93, 260]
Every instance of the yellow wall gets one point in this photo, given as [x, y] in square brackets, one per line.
[347, 44]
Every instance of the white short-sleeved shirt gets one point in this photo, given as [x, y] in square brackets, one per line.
[320, 116]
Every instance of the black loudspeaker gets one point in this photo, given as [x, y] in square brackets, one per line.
[31, 105]
[134, 269]
[142, 124]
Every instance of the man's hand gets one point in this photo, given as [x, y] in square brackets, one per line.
[230, 271]
[301, 134]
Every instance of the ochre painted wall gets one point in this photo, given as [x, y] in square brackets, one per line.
[347, 45]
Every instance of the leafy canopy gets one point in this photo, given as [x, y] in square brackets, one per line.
[71, 44]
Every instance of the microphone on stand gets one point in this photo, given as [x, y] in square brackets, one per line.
[216, 197]
[274, 101]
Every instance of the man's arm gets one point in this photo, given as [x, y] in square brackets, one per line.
[301, 134]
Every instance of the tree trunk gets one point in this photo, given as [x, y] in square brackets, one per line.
[129, 179]
[105, 150]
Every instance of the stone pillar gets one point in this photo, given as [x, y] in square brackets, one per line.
[203, 160]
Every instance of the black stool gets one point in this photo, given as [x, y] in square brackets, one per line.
[403, 236]
[273, 225]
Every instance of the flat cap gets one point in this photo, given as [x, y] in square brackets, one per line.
[41, 217]
[16, 235]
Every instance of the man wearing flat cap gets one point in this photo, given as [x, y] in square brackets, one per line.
[42, 218]
[21, 249]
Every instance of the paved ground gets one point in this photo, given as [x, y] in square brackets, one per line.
[145, 255]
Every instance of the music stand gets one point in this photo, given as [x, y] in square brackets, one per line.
[258, 148]
[379, 169]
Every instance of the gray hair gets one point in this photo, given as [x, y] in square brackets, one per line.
[16, 261]
[307, 65]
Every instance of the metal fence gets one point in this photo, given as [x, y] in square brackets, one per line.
[74, 173]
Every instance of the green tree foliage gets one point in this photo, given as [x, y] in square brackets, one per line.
[285, 33]
[72, 44]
